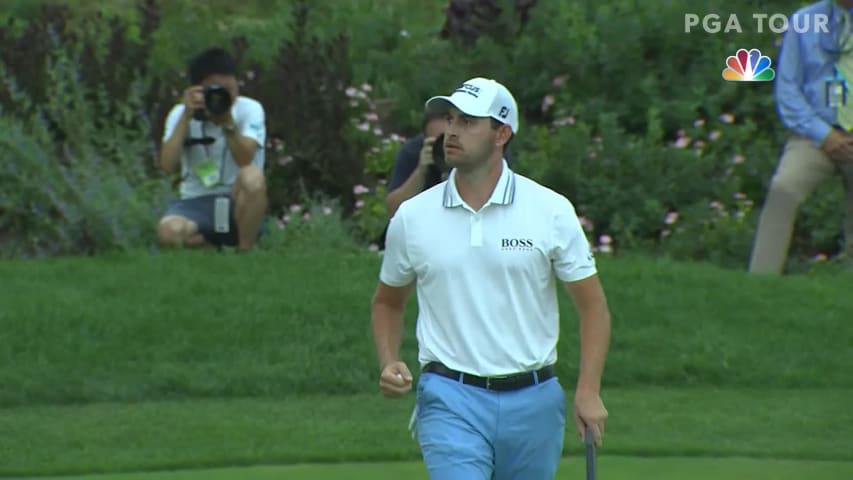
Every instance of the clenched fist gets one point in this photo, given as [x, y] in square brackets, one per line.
[395, 380]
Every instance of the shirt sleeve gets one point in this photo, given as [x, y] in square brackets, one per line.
[794, 109]
[253, 124]
[405, 163]
[172, 120]
[571, 253]
[396, 268]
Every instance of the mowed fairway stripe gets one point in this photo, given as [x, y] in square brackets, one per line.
[609, 468]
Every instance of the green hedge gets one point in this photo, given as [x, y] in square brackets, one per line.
[623, 111]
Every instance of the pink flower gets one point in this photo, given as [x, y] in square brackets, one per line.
[605, 240]
[285, 218]
[360, 189]
[820, 257]
[327, 210]
[570, 120]
[586, 224]
[739, 195]
[359, 203]
[698, 122]
[371, 116]
[363, 126]
[366, 87]
[665, 233]
[670, 218]
[351, 91]
[605, 248]
[377, 131]
[296, 208]
[373, 247]
[559, 80]
[285, 160]
[714, 134]
[306, 216]
[727, 118]
[737, 159]
[547, 102]
[682, 142]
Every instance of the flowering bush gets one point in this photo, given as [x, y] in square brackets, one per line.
[657, 153]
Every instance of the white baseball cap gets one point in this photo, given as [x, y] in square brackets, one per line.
[481, 97]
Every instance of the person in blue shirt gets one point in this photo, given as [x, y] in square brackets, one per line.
[814, 98]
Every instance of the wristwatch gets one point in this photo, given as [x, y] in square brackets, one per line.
[229, 129]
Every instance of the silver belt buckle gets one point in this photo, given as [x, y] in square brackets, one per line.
[489, 380]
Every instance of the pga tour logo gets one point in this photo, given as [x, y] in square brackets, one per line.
[777, 23]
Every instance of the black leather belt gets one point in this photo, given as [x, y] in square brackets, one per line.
[503, 383]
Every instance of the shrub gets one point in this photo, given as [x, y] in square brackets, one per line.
[74, 139]
[622, 111]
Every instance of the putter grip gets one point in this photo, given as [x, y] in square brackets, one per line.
[590, 454]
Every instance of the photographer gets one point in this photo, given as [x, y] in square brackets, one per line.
[415, 168]
[215, 139]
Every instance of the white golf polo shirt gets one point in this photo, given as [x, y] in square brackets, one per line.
[486, 287]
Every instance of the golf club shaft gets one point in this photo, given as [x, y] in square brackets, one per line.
[589, 440]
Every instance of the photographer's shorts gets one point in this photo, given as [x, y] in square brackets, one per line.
[200, 211]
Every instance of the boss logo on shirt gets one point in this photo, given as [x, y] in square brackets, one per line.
[516, 244]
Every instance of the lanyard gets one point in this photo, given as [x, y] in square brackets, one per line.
[209, 157]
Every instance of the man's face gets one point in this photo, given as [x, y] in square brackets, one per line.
[468, 141]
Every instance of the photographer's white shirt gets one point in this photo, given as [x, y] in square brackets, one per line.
[487, 280]
[249, 116]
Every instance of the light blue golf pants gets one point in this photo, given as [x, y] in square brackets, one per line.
[469, 433]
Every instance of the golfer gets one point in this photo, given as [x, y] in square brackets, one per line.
[485, 249]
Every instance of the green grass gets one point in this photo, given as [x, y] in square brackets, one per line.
[780, 424]
[611, 468]
[132, 328]
[190, 360]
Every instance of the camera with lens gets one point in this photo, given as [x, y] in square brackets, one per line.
[217, 101]
[438, 159]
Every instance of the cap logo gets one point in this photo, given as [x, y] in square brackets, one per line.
[504, 112]
[472, 90]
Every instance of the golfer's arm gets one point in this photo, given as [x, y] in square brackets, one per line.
[591, 304]
[389, 305]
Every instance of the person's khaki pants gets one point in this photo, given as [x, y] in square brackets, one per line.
[802, 168]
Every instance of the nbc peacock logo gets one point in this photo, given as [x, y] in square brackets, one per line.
[748, 66]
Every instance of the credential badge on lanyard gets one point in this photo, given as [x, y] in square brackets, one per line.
[836, 91]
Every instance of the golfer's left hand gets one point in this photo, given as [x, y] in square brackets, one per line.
[589, 411]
